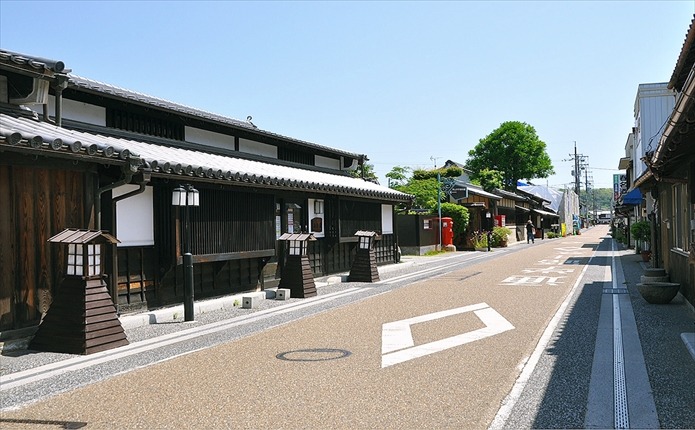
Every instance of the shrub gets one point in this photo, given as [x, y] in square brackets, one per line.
[642, 231]
[479, 239]
[459, 214]
[552, 235]
[500, 235]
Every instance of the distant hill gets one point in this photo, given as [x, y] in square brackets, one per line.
[599, 199]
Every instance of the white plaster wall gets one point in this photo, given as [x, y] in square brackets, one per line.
[76, 111]
[330, 163]
[209, 138]
[134, 217]
[257, 148]
[386, 219]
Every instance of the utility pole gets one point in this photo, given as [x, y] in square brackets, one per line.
[576, 169]
[581, 163]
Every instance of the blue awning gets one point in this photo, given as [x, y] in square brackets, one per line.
[634, 197]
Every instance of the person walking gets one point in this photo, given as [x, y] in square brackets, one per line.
[530, 232]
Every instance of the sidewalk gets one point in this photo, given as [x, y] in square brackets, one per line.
[667, 336]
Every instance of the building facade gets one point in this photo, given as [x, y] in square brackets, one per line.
[669, 182]
[77, 153]
[654, 102]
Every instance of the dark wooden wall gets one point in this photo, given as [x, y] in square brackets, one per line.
[42, 202]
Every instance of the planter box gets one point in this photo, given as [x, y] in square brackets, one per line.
[658, 293]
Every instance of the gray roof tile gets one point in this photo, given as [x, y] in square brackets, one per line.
[28, 134]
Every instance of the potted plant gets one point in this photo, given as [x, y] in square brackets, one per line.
[500, 236]
[642, 232]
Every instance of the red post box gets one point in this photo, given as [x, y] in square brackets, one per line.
[500, 220]
[447, 231]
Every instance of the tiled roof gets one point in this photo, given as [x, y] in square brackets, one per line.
[26, 134]
[473, 189]
[33, 64]
[510, 195]
[103, 88]
[685, 60]
[50, 67]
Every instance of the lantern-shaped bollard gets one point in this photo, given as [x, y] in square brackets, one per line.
[296, 274]
[82, 318]
[364, 266]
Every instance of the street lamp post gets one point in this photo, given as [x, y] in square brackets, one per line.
[186, 196]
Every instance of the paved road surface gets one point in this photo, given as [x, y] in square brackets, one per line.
[353, 366]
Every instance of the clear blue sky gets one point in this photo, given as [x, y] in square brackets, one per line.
[402, 82]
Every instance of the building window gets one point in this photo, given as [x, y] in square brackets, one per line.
[144, 124]
[295, 156]
[293, 212]
[316, 217]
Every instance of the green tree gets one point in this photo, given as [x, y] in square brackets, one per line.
[365, 171]
[513, 149]
[490, 179]
[398, 176]
[602, 197]
[424, 190]
[449, 172]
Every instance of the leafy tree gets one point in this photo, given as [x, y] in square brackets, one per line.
[423, 185]
[513, 149]
[366, 171]
[398, 176]
[424, 190]
[490, 179]
[449, 172]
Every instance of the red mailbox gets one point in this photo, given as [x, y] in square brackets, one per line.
[500, 220]
[447, 231]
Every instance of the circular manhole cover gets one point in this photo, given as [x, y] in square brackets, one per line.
[317, 354]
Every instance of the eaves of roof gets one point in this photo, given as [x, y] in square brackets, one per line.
[482, 193]
[28, 135]
[48, 68]
[545, 213]
[509, 195]
[534, 196]
[685, 61]
[97, 87]
[40, 66]
[625, 163]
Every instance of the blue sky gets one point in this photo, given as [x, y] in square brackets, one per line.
[403, 82]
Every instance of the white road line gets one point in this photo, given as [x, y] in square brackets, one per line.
[494, 324]
[530, 365]
[397, 335]
[408, 276]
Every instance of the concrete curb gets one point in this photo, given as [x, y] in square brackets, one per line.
[689, 341]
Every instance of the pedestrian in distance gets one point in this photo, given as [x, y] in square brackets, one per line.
[530, 232]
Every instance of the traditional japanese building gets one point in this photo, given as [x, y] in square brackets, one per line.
[669, 179]
[77, 153]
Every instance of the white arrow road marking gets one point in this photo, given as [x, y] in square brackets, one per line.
[397, 345]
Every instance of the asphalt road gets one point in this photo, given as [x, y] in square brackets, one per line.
[440, 352]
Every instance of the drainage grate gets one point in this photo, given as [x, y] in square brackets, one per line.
[615, 291]
[621, 419]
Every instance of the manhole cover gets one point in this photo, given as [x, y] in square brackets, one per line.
[318, 354]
